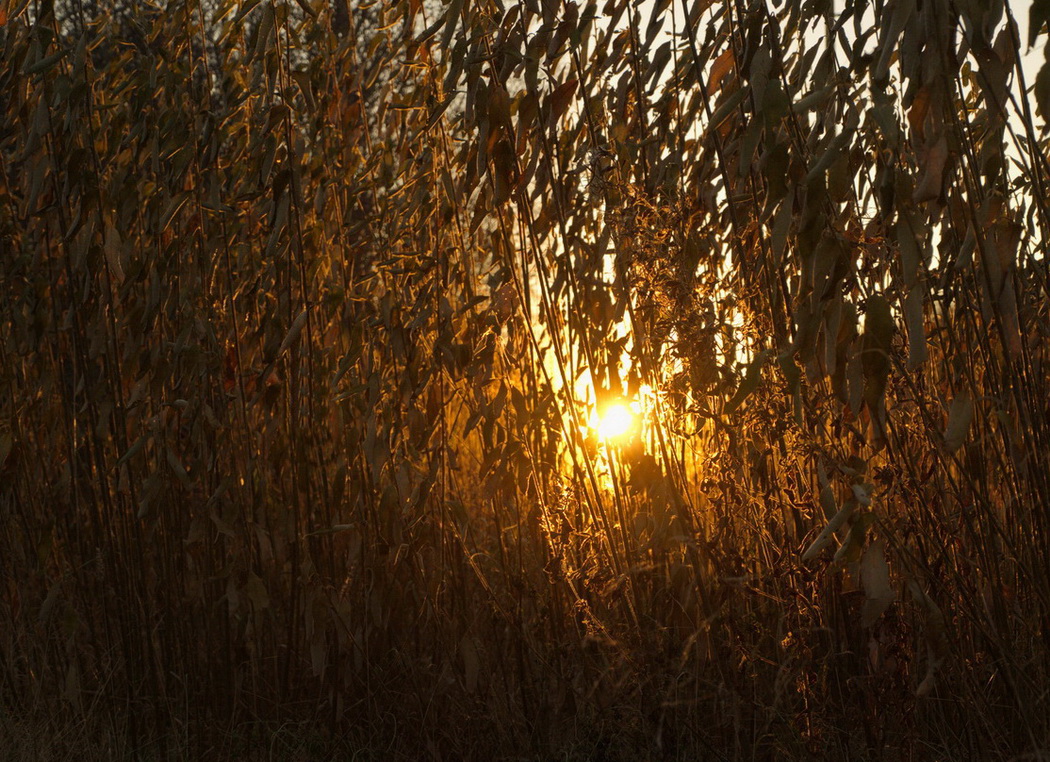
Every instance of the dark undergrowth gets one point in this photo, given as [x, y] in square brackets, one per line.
[309, 313]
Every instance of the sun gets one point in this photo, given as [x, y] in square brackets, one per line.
[615, 422]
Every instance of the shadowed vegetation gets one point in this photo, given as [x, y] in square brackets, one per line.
[308, 313]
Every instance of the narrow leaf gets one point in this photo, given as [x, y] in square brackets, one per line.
[959, 418]
[875, 580]
[824, 538]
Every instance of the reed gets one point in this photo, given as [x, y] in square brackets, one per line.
[309, 312]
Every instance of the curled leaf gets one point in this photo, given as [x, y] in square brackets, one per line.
[824, 538]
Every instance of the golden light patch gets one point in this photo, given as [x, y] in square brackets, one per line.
[615, 422]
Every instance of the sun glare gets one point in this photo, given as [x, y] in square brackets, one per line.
[616, 421]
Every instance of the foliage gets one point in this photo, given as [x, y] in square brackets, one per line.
[305, 310]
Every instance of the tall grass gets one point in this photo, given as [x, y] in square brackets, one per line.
[306, 309]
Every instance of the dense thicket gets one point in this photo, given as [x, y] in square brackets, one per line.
[305, 309]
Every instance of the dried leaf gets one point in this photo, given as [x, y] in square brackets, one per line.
[111, 246]
[929, 187]
[720, 70]
[503, 171]
[913, 318]
[468, 652]
[1038, 15]
[44, 63]
[920, 107]
[935, 631]
[294, 331]
[255, 591]
[875, 580]
[455, 10]
[560, 99]
[264, 32]
[752, 379]
[726, 108]
[878, 334]
[499, 110]
[900, 12]
[829, 530]
[959, 418]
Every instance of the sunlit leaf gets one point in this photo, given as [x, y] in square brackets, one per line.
[827, 534]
